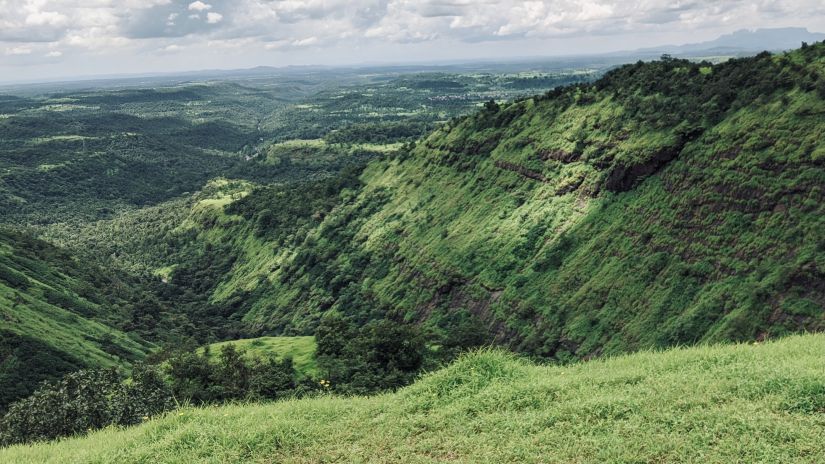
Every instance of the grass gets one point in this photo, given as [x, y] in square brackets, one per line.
[49, 308]
[714, 404]
[300, 349]
[65, 331]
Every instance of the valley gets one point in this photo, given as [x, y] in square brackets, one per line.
[522, 250]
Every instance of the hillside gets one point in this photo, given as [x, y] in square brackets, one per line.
[118, 178]
[300, 349]
[81, 155]
[739, 403]
[58, 315]
[668, 203]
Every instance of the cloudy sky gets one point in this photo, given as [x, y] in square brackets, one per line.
[42, 39]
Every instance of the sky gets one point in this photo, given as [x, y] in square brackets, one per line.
[48, 39]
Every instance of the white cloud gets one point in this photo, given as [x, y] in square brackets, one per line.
[18, 51]
[213, 18]
[173, 48]
[41, 18]
[305, 42]
[199, 6]
[54, 54]
[122, 28]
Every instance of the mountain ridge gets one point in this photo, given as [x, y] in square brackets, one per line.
[743, 41]
[583, 222]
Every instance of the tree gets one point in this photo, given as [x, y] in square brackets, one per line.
[332, 335]
[272, 379]
[381, 355]
[143, 395]
[491, 106]
[190, 376]
[230, 378]
[85, 400]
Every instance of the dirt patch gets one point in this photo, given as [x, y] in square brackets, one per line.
[559, 155]
[530, 174]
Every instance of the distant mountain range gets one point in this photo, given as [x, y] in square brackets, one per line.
[744, 41]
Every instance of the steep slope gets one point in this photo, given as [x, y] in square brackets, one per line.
[670, 202]
[58, 315]
[739, 403]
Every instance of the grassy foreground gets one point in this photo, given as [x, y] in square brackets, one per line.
[742, 403]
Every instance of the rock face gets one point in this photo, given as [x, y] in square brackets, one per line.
[521, 170]
[623, 178]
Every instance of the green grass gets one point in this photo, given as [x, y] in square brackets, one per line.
[300, 349]
[54, 318]
[718, 404]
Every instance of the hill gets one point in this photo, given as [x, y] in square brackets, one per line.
[739, 403]
[668, 203]
[59, 315]
[81, 152]
[743, 41]
[300, 349]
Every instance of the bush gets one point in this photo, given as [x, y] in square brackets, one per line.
[13, 278]
[197, 379]
[381, 355]
[82, 401]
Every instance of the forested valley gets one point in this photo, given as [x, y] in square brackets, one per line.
[318, 235]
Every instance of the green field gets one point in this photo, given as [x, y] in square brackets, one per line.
[300, 349]
[720, 404]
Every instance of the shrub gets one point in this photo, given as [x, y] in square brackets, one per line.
[82, 401]
[197, 379]
[381, 355]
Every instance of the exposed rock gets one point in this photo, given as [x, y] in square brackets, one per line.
[530, 174]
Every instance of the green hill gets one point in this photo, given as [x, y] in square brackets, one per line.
[300, 349]
[59, 315]
[668, 203]
[721, 404]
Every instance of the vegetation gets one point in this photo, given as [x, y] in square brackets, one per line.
[300, 349]
[378, 356]
[720, 404]
[653, 208]
[80, 156]
[85, 400]
[213, 227]
[198, 379]
[59, 315]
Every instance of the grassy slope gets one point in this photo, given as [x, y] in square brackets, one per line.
[557, 222]
[300, 349]
[719, 404]
[55, 316]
